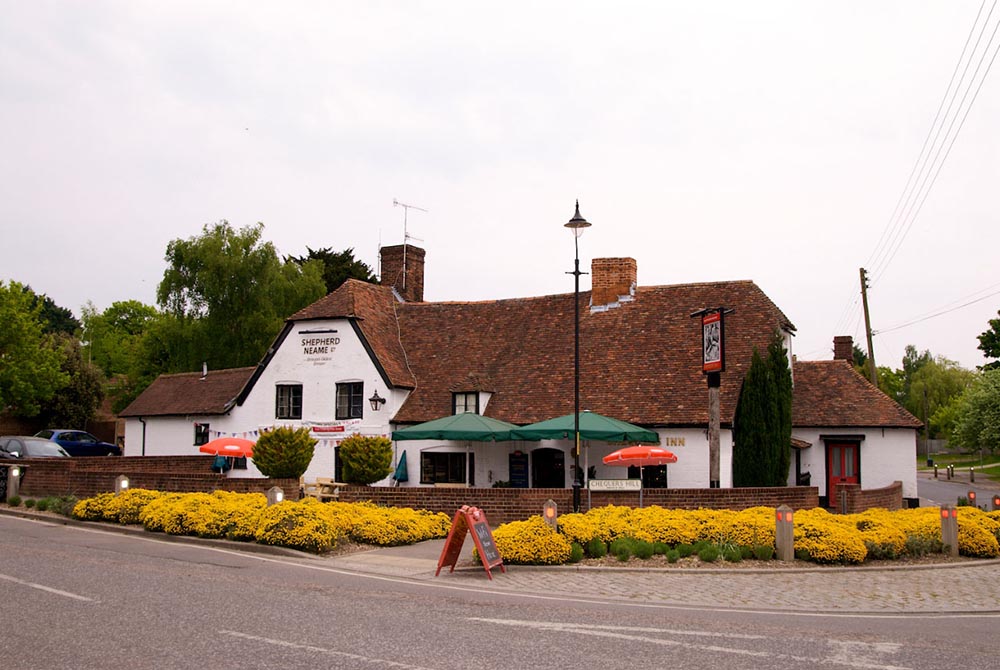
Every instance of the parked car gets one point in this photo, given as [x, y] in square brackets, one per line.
[21, 446]
[79, 443]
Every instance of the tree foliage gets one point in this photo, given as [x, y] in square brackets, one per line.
[228, 295]
[30, 371]
[55, 319]
[762, 431]
[338, 266]
[284, 452]
[366, 459]
[977, 425]
[989, 343]
[78, 400]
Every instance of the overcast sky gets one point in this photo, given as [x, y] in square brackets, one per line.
[709, 141]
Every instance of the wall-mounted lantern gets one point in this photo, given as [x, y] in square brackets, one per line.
[376, 402]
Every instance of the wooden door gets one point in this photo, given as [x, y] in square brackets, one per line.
[842, 464]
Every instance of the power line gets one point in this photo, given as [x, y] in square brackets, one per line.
[935, 315]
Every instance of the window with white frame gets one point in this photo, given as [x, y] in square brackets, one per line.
[464, 402]
[350, 400]
[288, 401]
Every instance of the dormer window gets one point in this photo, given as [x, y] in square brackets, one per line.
[465, 401]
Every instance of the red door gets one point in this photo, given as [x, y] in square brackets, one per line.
[842, 464]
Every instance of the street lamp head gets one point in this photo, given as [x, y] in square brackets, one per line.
[578, 224]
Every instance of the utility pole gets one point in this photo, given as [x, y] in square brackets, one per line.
[868, 329]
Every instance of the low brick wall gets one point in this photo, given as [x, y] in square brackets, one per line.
[85, 477]
[851, 499]
[503, 505]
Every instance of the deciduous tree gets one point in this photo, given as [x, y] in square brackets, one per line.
[989, 343]
[29, 363]
[978, 423]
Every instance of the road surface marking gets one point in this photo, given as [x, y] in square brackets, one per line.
[47, 589]
[322, 650]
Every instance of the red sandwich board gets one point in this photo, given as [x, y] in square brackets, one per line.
[473, 518]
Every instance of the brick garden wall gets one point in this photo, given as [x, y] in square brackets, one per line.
[85, 477]
[851, 499]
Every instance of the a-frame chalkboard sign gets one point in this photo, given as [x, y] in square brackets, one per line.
[465, 519]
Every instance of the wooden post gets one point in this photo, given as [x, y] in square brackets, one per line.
[714, 427]
[949, 529]
[784, 534]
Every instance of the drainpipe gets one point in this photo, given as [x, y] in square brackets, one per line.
[143, 422]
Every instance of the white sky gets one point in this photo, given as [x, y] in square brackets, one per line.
[727, 140]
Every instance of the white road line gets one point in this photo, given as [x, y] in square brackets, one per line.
[634, 629]
[837, 658]
[47, 589]
[322, 650]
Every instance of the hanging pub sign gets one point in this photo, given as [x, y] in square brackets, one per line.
[470, 518]
[712, 341]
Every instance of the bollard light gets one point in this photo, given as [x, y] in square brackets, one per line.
[121, 484]
[972, 498]
[949, 528]
[784, 534]
[551, 514]
[972, 475]
[275, 495]
[996, 503]
[13, 481]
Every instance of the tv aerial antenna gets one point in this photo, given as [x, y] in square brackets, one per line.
[406, 235]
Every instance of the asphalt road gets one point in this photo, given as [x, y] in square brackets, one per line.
[83, 598]
[941, 491]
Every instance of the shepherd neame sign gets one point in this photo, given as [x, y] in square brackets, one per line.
[317, 346]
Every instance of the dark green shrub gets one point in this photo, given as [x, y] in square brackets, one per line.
[29, 503]
[802, 555]
[575, 553]
[763, 552]
[284, 452]
[672, 555]
[643, 550]
[620, 542]
[622, 552]
[732, 554]
[700, 544]
[920, 546]
[709, 553]
[63, 505]
[366, 459]
[596, 548]
[684, 550]
[881, 552]
[746, 552]
[14, 501]
[42, 505]
[661, 548]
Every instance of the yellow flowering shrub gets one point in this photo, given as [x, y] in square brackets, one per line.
[531, 542]
[977, 533]
[226, 514]
[669, 526]
[92, 509]
[299, 526]
[126, 506]
[174, 513]
[880, 532]
[826, 538]
[747, 528]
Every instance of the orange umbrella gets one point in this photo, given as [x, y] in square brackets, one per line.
[640, 456]
[235, 447]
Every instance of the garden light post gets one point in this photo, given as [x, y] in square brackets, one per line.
[577, 224]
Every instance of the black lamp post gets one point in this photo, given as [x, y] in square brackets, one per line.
[577, 224]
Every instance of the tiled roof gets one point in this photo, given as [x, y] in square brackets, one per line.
[373, 307]
[187, 393]
[640, 362]
[832, 393]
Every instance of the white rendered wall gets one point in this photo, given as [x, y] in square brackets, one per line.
[887, 455]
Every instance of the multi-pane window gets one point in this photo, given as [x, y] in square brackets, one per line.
[465, 402]
[200, 434]
[446, 468]
[350, 400]
[288, 402]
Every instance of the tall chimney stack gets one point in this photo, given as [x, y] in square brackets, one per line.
[403, 269]
[611, 280]
[843, 348]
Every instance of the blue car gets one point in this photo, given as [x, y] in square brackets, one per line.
[80, 443]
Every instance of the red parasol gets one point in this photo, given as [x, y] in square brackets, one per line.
[640, 456]
[235, 447]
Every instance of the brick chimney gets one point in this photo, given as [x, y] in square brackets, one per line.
[612, 279]
[843, 348]
[403, 269]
